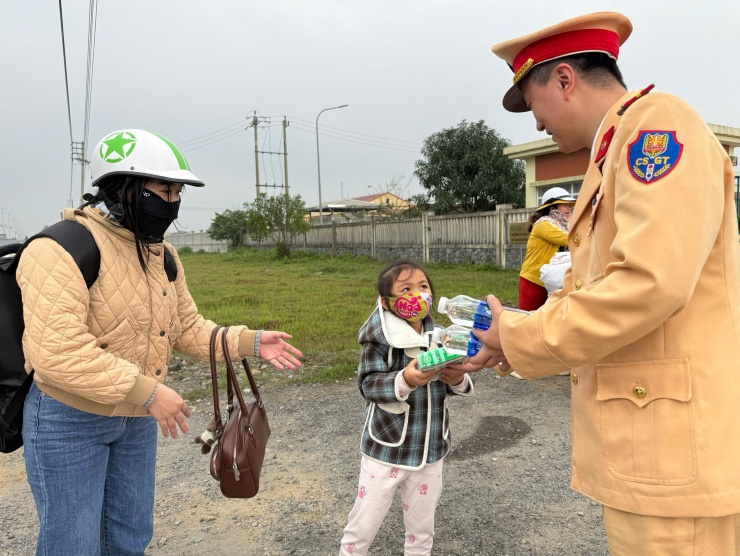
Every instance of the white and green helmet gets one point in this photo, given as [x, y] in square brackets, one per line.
[140, 153]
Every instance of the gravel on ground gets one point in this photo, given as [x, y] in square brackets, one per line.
[506, 478]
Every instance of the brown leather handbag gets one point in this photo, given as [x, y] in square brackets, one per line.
[236, 460]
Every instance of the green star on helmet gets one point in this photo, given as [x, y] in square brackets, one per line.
[117, 146]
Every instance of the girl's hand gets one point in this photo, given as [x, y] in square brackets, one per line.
[414, 377]
[451, 378]
[279, 353]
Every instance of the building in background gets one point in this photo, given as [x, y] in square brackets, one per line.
[547, 167]
[379, 204]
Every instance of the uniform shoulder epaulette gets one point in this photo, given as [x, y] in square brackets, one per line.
[627, 104]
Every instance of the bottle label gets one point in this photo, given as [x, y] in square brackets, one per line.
[436, 359]
[482, 317]
[474, 345]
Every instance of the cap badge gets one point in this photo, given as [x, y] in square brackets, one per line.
[653, 155]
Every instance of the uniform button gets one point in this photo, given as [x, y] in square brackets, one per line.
[103, 346]
[158, 372]
[574, 378]
[577, 241]
[639, 392]
[161, 332]
[578, 284]
[164, 292]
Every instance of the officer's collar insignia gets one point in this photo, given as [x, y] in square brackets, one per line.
[627, 104]
[606, 139]
[653, 155]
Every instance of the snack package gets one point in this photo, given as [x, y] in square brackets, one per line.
[437, 358]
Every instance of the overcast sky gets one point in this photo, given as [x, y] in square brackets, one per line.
[194, 71]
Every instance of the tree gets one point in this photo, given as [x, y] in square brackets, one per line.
[464, 169]
[279, 218]
[230, 225]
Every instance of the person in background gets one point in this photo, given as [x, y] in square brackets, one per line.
[101, 355]
[406, 434]
[548, 232]
[648, 319]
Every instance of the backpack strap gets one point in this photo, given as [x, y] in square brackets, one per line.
[78, 242]
[170, 267]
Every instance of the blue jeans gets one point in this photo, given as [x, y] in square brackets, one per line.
[92, 478]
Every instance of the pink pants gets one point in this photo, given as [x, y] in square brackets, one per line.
[420, 491]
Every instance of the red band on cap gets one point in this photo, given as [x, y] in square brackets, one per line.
[570, 42]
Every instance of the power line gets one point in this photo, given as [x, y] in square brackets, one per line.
[66, 77]
[344, 131]
[66, 86]
[91, 34]
[210, 135]
[195, 147]
[369, 143]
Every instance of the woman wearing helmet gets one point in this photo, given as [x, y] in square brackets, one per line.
[548, 231]
[101, 354]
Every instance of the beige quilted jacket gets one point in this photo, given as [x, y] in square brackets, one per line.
[102, 350]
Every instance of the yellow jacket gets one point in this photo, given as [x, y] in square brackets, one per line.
[542, 244]
[102, 350]
[648, 321]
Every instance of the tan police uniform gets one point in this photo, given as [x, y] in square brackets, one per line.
[648, 322]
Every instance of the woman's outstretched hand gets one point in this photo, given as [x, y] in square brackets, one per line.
[279, 353]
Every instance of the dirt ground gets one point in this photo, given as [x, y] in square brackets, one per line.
[506, 479]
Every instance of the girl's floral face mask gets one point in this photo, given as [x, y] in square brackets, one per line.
[411, 306]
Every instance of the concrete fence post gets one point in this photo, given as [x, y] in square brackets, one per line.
[425, 229]
[372, 237]
[333, 238]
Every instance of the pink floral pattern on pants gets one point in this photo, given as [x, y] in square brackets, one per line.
[420, 492]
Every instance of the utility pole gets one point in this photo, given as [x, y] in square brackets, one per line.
[256, 157]
[259, 186]
[78, 155]
[285, 152]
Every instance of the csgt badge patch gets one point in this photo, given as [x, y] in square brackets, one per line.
[653, 155]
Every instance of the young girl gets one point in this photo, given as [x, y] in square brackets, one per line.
[406, 433]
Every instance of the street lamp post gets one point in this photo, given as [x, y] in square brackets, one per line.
[318, 159]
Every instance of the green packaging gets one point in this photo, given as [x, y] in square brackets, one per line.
[435, 359]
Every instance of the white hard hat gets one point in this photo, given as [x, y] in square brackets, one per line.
[556, 196]
[141, 153]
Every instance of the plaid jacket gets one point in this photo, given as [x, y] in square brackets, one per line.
[409, 432]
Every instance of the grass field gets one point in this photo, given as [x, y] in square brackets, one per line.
[319, 300]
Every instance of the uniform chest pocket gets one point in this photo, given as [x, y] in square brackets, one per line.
[647, 421]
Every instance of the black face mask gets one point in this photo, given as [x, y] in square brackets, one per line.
[156, 214]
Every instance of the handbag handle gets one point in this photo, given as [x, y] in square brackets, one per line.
[232, 380]
[214, 382]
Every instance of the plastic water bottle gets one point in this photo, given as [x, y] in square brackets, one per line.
[466, 311]
[457, 339]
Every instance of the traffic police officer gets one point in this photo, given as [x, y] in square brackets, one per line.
[648, 320]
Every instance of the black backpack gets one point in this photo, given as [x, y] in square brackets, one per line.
[14, 381]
